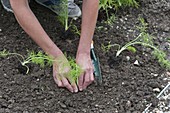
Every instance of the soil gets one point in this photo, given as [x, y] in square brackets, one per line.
[126, 88]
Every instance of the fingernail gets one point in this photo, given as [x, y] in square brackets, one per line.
[76, 90]
[81, 89]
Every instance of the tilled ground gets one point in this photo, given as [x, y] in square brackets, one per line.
[126, 88]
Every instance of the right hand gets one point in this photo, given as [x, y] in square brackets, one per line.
[61, 68]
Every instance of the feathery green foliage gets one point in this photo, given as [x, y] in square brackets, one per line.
[40, 59]
[116, 4]
[4, 53]
[64, 19]
[63, 14]
[108, 4]
[45, 60]
[75, 71]
[145, 40]
[36, 58]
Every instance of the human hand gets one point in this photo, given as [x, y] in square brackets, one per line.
[61, 68]
[87, 77]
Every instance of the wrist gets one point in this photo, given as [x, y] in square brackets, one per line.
[54, 51]
[83, 51]
[84, 46]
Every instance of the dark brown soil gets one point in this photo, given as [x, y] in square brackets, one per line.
[126, 88]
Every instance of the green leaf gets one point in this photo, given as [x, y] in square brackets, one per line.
[75, 71]
[4, 53]
[131, 49]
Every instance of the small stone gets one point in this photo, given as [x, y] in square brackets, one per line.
[34, 86]
[96, 105]
[2, 110]
[7, 111]
[0, 30]
[167, 28]
[156, 110]
[155, 75]
[124, 28]
[136, 63]
[121, 20]
[10, 106]
[84, 101]
[128, 104]
[25, 112]
[75, 18]
[127, 58]
[156, 90]
[11, 101]
[117, 27]
[69, 41]
[84, 110]
[63, 105]
[165, 79]
[130, 30]
[110, 89]
[168, 73]
[101, 110]
[1, 94]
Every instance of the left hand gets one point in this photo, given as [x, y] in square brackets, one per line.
[87, 77]
[61, 68]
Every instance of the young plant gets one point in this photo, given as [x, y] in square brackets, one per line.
[37, 58]
[105, 5]
[111, 19]
[75, 71]
[145, 40]
[64, 19]
[45, 60]
[108, 47]
[63, 14]
[110, 4]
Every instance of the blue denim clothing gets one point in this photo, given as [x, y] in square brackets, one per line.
[7, 6]
[54, 5]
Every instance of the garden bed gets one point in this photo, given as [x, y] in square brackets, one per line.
[126, 88]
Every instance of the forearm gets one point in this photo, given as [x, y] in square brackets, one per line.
[32, 27]
[89, 18]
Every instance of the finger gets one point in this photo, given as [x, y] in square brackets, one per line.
[57, 78]
[72, 81]
[81, 81]
[74, 86]
[86, 79]
[91, 77]
[67, 84]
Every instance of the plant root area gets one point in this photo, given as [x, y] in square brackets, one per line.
[126, 87]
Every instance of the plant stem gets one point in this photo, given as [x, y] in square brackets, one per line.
[135, 43]
[16, 55]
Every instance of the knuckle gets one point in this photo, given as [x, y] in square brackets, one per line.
[60, 85]
[92, 79]
[87, 82]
